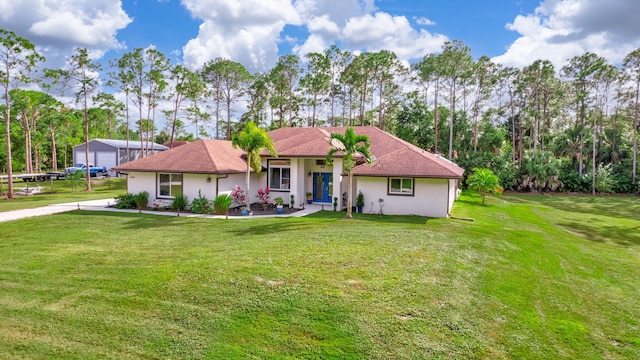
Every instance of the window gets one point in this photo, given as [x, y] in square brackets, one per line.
[401, 186]
[280, 174]
[169, 185]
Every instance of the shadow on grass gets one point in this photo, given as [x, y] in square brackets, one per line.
[604, 233]
[390, 219]
[623, 207]
[136, 220]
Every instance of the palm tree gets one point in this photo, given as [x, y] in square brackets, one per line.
[350, 145]
[252, 140]
[484, 181]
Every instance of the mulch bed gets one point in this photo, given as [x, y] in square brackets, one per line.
[258, 210]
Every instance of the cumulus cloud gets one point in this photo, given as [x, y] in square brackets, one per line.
[58, 26]
[561, 29]
[373, 32]
[244, 31]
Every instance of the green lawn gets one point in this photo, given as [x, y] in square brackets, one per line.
[536, 277]
[60, 191]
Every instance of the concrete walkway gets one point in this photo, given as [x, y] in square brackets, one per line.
[105, 205]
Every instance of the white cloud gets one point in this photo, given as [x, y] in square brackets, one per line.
[243, 31]
[250, 31]
[562, 29]
[423, 21]
[58, 26]
[394, 33]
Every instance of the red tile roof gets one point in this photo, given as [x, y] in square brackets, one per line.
[199, 157]
[175, 143]
[393, 156]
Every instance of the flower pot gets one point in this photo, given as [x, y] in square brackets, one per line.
[279, 209]
[359, 209]
[309, 201]
[244, 212]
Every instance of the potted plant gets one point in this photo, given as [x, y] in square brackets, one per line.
[335, 204]
[359, 202]
[279, 205]
[292, 201]
[309, 197]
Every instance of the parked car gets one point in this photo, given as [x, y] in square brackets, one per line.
[94, 171]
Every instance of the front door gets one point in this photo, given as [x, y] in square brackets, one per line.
[322, 187]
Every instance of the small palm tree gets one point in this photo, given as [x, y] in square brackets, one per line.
[350, 145]
[484, 181]
[252, 140]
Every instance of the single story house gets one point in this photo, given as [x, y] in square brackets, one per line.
[110, 153]
[403, 179]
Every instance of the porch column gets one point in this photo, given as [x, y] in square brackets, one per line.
[337, 181]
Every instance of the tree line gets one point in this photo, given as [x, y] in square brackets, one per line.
[539, 128]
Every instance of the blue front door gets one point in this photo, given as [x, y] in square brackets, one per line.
[322, 187]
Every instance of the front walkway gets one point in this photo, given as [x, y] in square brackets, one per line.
[106, 205]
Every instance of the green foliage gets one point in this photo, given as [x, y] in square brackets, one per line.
[252, 140]
[484, 181]
[360, 199]
[75, 179]
[125, 201]
[604, 180]
[201, 205]
[279, 200]
[540, 172]
[221, 204]
[141, 200]
[179, 203]
[350, 145]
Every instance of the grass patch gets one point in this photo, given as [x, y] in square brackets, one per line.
[520, 281]
[59, 191]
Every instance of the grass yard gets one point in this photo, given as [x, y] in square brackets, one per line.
[536, 277]
[60, 191]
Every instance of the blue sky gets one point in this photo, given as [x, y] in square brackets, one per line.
[256, 32]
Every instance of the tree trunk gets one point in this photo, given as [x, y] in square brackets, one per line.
[349, 194]
[54, 151]
[7, 133]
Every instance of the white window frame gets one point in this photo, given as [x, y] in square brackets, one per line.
[279, 165]
[403, 191]
[174, 179]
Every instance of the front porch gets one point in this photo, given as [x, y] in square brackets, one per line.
[302, 176]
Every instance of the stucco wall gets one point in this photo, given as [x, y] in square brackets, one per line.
[430, 198]
[191, 183]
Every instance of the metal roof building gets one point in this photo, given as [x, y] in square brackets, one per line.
[110, 153]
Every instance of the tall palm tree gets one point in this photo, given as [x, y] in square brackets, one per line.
[252, 140]
[350, 145]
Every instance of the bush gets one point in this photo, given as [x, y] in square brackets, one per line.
[221, 204]
[201, 205]
[125, 201]
[179, 203]
[141, 200]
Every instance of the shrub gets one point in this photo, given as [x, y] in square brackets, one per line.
[360, 199]
[125, 201]
[141, 200]
[279, 200]
[201, 205]
[484, 181]
[238, 196]
[179, 203]
[604, 180]
[221, 204]
[263, 195]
